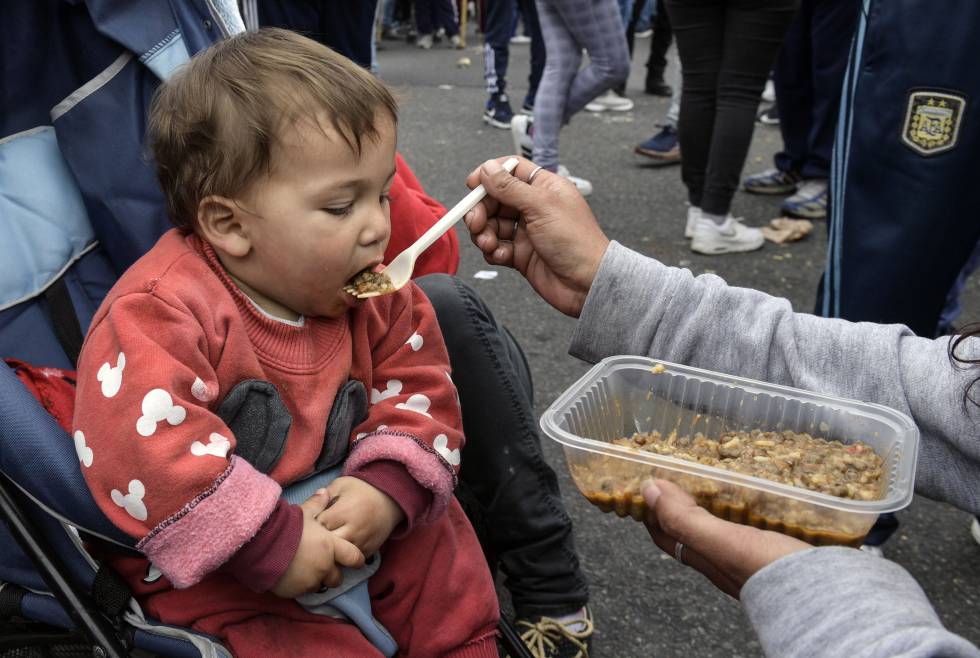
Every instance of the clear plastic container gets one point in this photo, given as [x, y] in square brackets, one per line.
[626, 394]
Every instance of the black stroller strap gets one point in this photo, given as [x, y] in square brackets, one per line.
[110, 592]
[10, 597]
[63, 318]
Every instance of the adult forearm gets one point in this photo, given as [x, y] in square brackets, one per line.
[640, 306]
[842, 602]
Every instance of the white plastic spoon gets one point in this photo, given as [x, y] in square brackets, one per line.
[399, 271]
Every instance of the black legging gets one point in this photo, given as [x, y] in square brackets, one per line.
[727, 48]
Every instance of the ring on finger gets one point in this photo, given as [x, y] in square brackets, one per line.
[679, 552]
[534, 172]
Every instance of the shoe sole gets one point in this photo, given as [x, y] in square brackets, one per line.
[496, 123]
[658, 157]
[715, 251]
[975, 530]
[605, 108]
[770, 191]
[767, 122]
[805, 214]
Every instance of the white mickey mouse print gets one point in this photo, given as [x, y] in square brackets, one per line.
[205, 392]
[85, 453]
[441, 444]
[415, 341]
[218, 446]
[110, 377]
[158, 406]
[361, 435]
[392, 388]
[418, 403]
[133, 501]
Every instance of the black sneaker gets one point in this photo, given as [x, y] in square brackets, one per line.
[549, 638]
[658, 87]
[497, 112]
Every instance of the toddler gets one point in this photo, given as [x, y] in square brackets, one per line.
[228, 362]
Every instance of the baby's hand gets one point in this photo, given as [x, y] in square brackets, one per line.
[360, 513]
[319, 557]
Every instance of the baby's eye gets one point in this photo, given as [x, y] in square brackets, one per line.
[339, 211]
[385, 198]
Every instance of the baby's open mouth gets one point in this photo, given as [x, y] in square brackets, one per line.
[367, 281]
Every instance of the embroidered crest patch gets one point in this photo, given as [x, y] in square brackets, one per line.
[932, 121]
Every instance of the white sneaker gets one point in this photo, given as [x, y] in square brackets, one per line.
[424, 41]
[769, 93]
[455, 42]
[693, 215]
[520, 40]
[584, 187]
[730, 237]
[520, 131]
[610, 101]
[975, 530]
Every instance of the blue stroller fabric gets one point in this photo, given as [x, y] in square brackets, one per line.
[78, 204]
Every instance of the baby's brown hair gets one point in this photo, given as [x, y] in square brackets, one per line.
[213, 124]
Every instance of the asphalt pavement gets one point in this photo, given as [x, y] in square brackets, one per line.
[644, 603]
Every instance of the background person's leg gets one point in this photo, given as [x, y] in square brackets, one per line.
[564, 58]
[532, 28]
[753, 33]
[424, 23]
[793, 79]
[596, 26]
[444, 15]
[832, 27]
[698, 27]
[496, 44]
[526, 527]
[660, 42]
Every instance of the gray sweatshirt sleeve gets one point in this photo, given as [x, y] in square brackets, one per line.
[640, 306]
[795, 606]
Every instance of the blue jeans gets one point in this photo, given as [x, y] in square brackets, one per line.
[499, 28]
[809, 74]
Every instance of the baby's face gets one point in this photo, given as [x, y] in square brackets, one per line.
[320, 217]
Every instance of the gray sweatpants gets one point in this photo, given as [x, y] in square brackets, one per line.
[568, 26]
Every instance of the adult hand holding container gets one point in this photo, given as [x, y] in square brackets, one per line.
[625, 396]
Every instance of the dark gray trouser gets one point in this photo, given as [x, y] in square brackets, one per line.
[520, 517]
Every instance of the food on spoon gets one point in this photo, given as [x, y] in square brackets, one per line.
[369, 282]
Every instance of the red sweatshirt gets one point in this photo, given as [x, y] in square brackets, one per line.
[175, 335]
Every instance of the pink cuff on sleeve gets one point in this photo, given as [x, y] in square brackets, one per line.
[208, 530]
[261, 562]
[393, 478]
[425, 466]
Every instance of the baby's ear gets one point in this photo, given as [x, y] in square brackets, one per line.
[222, 223]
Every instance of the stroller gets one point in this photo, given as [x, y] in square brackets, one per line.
[62, 251]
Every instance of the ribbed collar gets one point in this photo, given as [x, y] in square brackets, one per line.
[300, 349]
